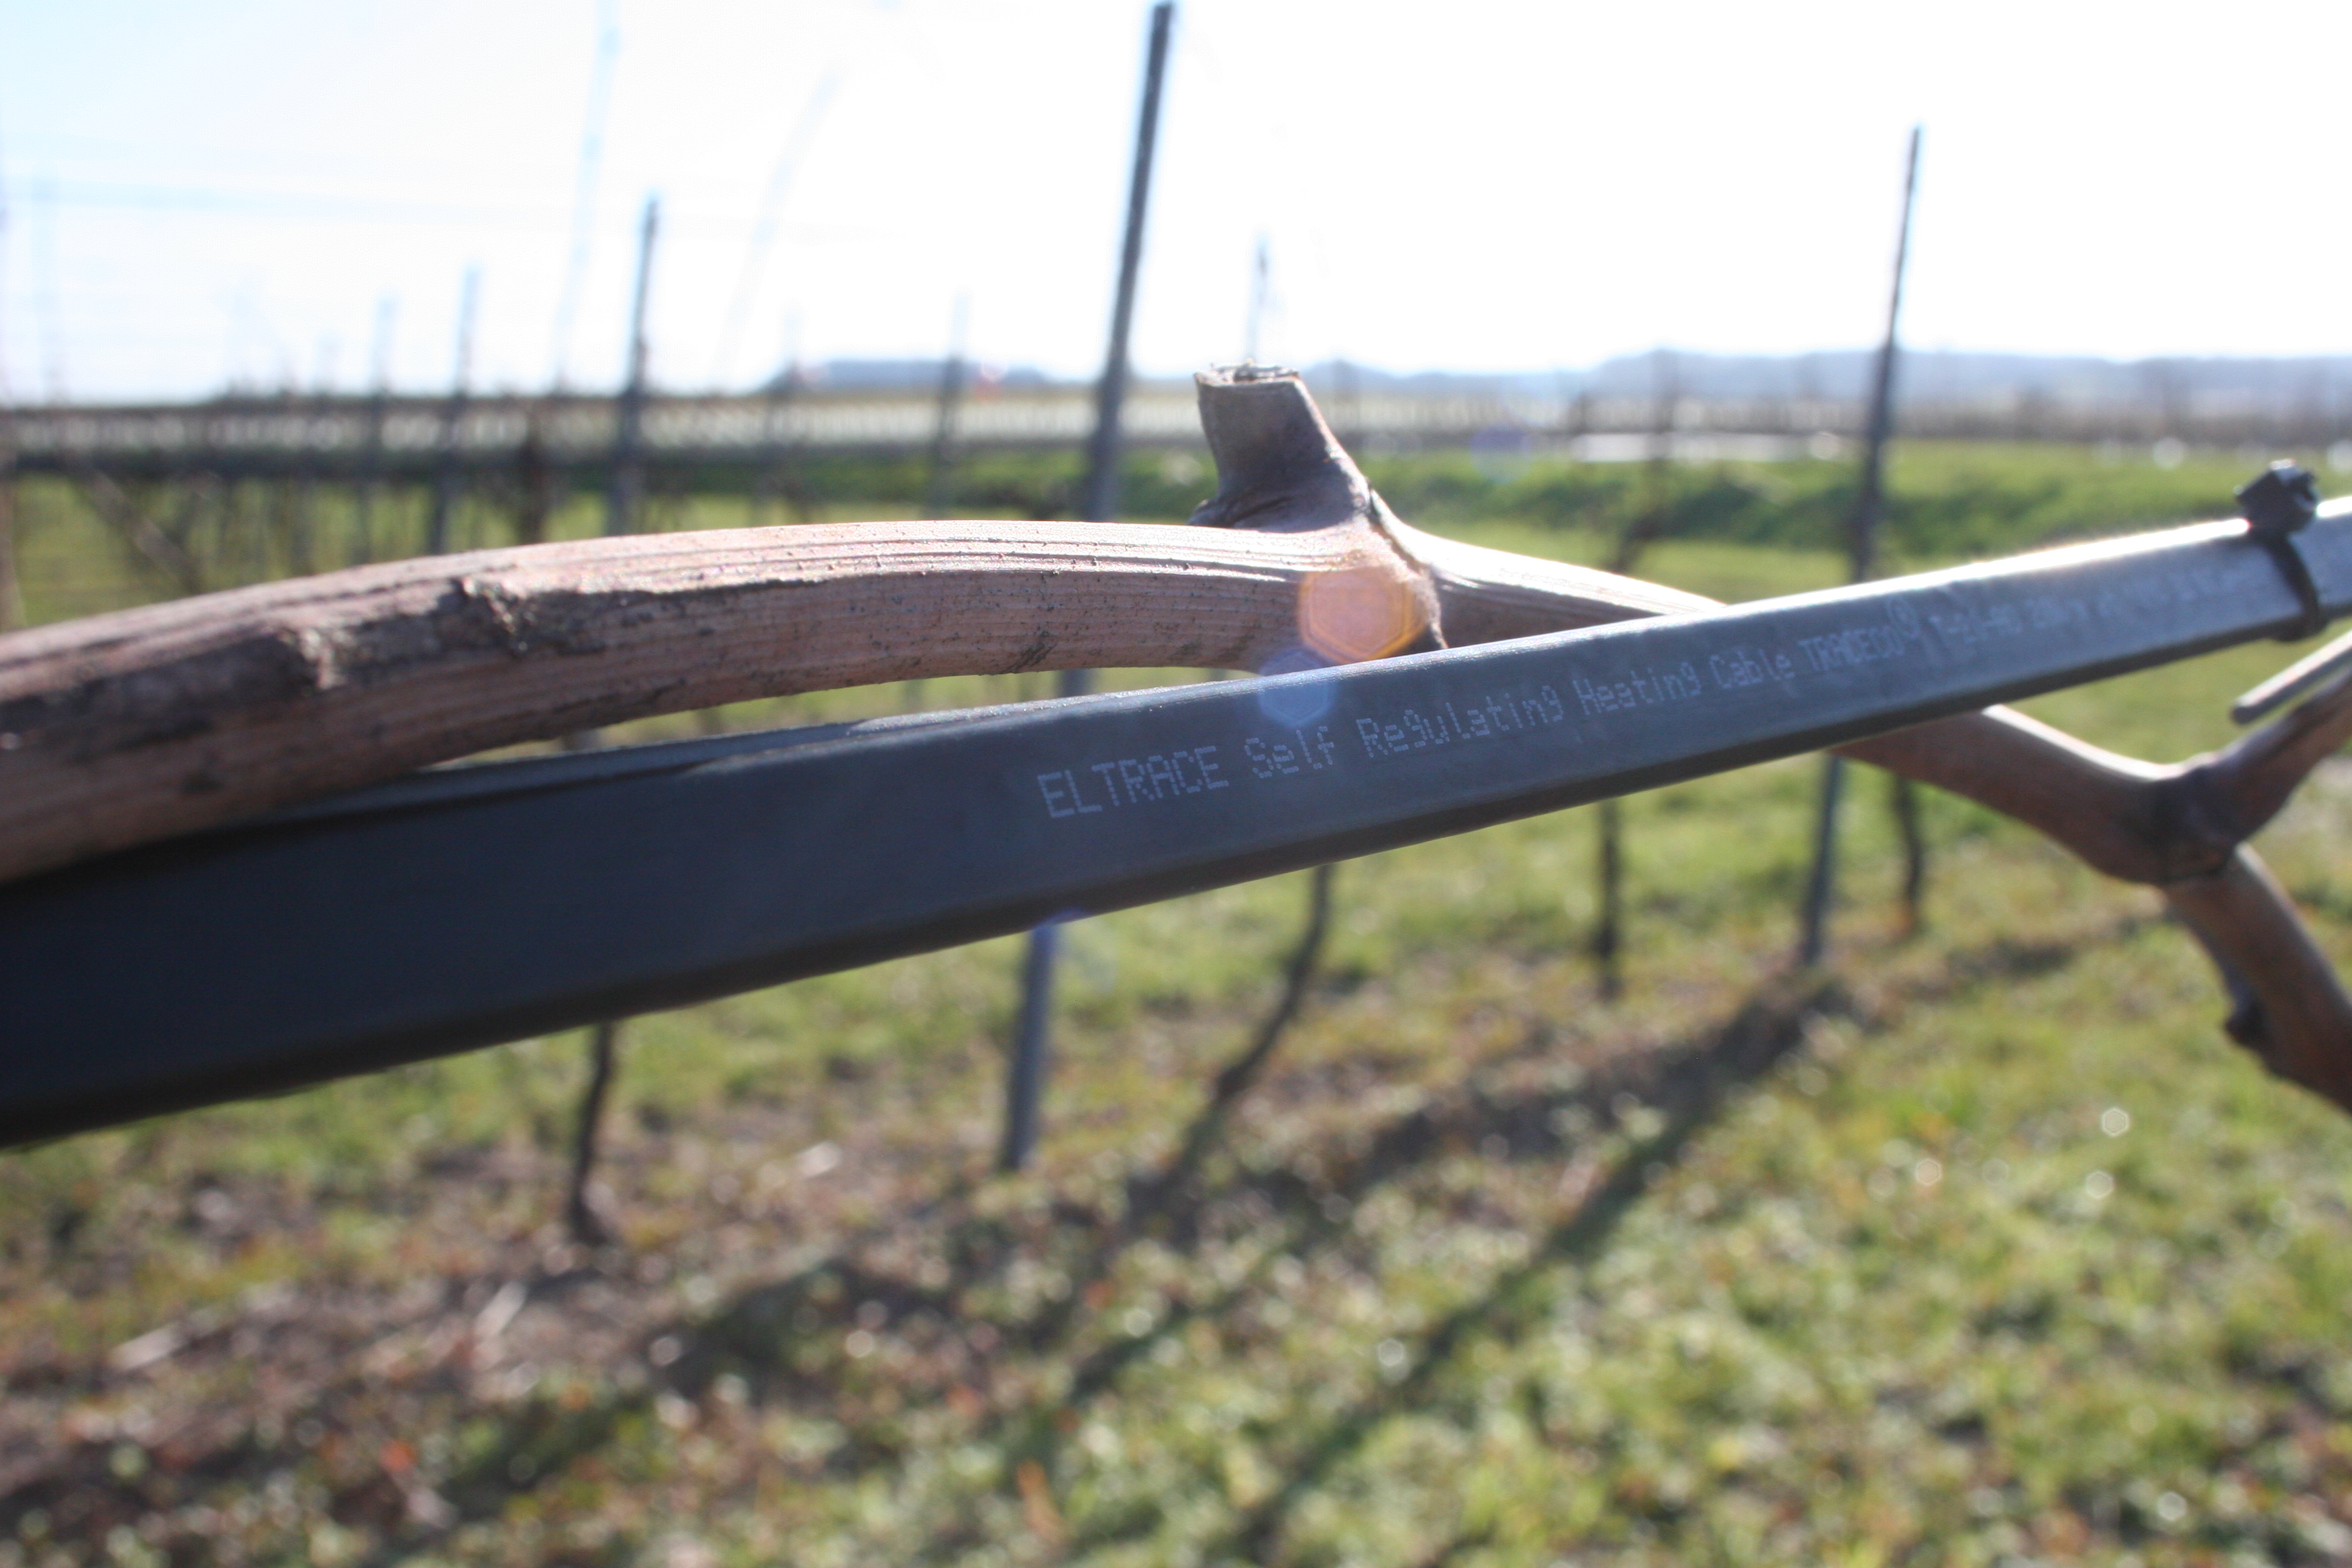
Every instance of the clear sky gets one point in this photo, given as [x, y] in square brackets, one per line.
[196, 194]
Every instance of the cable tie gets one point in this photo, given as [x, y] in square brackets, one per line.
[2279, 502]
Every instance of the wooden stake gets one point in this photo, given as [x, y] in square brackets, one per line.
[1024, 1085]
[1861, 551]
[12, 595]
[371, 474]
[773, 477]
[585, 1212]
[1647, 524]
[589, 1224]
[1261, 289]
[628, 482]
[952, 374]
[451, 483]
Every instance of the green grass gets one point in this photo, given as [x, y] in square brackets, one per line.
[1992, 1249]
[1944, 499]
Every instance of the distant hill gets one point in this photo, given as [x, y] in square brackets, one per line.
[1923, 376]
[899, 375]
[2197, 386]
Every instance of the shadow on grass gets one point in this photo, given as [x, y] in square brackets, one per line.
[1689, 1093]
[1688, 1087]
[793, 1341]
[784, 1338]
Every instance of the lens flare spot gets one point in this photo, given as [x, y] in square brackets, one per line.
[1356, 614]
